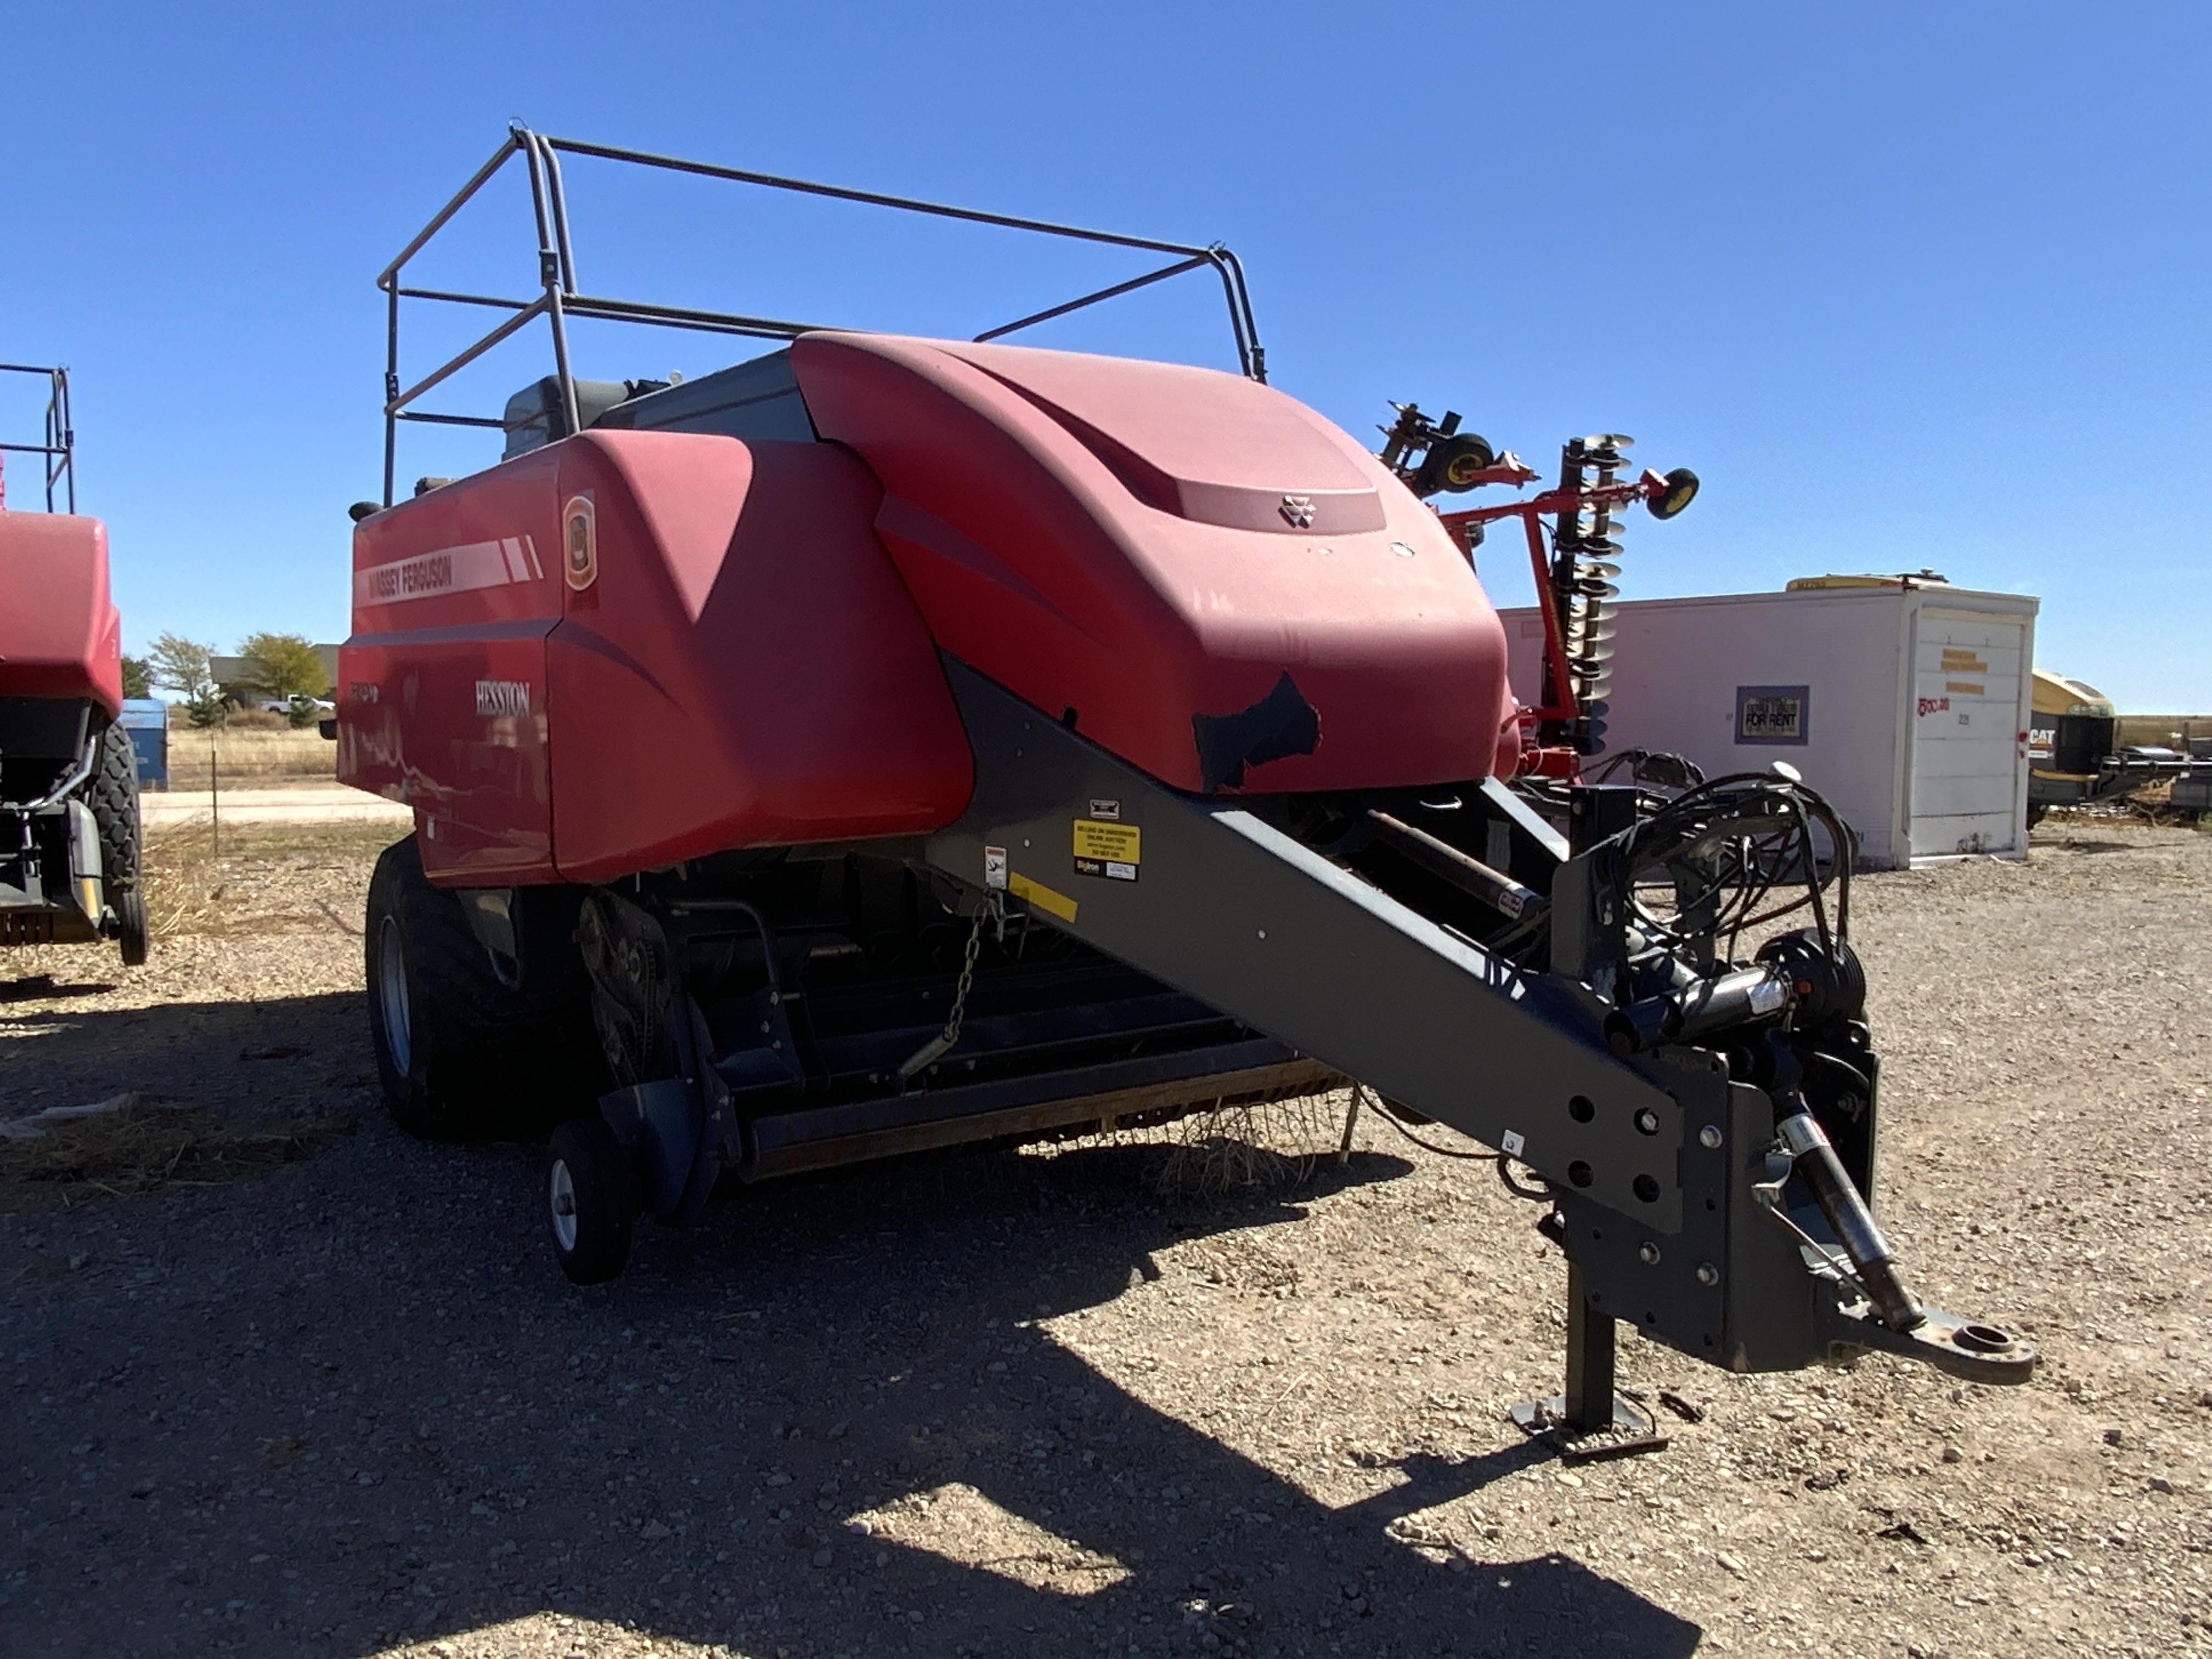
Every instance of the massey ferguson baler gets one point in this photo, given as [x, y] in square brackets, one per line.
[890, 742]
[69, 780]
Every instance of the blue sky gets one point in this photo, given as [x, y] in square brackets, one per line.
[1907, 286]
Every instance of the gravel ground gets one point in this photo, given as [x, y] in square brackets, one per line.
[1021, 1404]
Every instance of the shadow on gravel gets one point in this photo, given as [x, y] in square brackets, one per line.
[2093, 846]
[199, 1052]
[351, 1404]
[38, 987]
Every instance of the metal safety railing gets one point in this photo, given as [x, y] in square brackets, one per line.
[559, 298]
[60, 447]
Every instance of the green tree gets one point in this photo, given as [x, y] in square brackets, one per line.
[177, 663]
[287, 665]
[137, 681]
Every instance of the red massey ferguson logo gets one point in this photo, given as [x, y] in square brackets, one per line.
[1935, 705]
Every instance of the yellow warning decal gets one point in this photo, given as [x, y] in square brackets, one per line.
[1108, 843]
[1966, 686]
[1043, 897]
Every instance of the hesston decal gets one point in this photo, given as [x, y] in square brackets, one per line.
[510, 698]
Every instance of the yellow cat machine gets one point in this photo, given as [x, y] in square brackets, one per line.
[2074, 753]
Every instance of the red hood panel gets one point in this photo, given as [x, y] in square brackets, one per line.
[59, 633]
[1161, 549]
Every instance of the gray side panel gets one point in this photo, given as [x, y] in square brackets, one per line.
[1233, 912]
[535, 417]
[759, 400]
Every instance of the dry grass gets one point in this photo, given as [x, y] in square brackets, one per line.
[245, 757]
[142, 1148]
[184, 891]
[1260, 1145]
[256, 883]
[1264, 1146]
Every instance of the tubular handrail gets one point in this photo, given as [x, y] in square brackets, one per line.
[560, 298]
[60, 446]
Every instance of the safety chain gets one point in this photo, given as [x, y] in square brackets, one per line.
[994, 908]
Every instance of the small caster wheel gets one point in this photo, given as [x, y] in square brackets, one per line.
[589, 1196]
[131, 926]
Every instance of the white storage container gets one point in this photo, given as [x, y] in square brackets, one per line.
[1906, 704]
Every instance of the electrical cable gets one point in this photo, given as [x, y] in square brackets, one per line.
[1384, 1112]
[1542, 1193]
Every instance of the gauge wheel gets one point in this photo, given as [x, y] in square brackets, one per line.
[129, 908]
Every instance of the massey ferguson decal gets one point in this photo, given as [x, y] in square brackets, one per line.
[448, 570]
[509, 698]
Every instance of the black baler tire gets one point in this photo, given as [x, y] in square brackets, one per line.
[111, 792]
[485, 1060]
[599, 1177]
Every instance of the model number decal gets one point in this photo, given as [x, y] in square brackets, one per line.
[509, 698]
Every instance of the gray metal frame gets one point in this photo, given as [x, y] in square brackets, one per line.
[1662, 1168]
[60, 447]
[561, 299]
[1250, 922]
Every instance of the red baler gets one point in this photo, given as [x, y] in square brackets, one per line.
[887, 742]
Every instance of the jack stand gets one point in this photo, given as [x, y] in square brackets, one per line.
[1592, 1420]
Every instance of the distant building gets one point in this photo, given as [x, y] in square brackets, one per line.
[239, 677]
